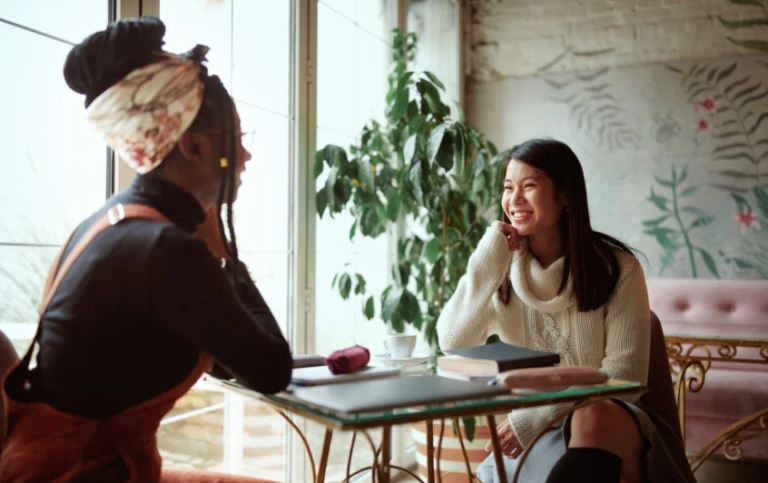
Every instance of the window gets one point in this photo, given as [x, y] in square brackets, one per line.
[60, 172]
[56, 166]
[353, 56]
[247, 38]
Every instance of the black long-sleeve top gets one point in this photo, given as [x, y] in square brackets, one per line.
[130, 317]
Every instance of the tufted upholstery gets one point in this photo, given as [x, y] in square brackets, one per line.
[718, 309]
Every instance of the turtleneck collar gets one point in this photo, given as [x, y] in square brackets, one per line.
[537, 286]
[174, 202]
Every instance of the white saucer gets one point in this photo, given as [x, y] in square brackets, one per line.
[404, 362]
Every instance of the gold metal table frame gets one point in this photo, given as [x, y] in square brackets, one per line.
[690, 360]
[285, 405]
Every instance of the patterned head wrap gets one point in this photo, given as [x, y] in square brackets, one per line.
[143, 115]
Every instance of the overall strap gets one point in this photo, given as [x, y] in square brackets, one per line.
[58, 269]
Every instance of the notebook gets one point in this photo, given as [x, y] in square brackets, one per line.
[394, 392]
[492, 359]
[313, 376]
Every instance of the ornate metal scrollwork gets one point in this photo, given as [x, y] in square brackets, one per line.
[690, 359]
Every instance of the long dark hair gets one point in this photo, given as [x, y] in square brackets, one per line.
[590, 262]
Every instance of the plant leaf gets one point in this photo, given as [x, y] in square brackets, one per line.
[433, 249]
[360, 285]
[321, 202]
[345, 285]
[415, 177]
[366, 174]
[409, 149]
[459, 153]
[394, 200]
[416, 124]
[469, 427]
[435, 140]
[317, 167]
[368, 310]
[330, 193]
[708, 261]
[446, 152]
[409, 307]
[432, 77]
[391, 302]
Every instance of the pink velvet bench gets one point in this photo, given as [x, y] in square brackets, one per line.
[728, 318]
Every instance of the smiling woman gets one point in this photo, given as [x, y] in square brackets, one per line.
[542, 278]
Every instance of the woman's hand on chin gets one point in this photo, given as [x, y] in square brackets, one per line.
[509, 232]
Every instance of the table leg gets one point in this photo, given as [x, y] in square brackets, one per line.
[498, 457]
[430, 453]
[386, 453]
[324, 456]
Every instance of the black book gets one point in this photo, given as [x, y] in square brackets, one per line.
[494, 358]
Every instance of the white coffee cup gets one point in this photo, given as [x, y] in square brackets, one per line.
[400, 346]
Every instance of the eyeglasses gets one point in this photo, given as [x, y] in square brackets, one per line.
[246, 136]
[246, 139]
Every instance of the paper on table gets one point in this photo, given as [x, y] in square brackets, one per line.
[313, 376]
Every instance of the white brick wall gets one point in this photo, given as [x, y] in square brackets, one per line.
[514, 38]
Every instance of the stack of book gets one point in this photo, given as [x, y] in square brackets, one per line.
[482, 363]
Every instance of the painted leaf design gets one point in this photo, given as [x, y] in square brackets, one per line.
[741, 113]
[665, 236]
[659, 201]
[702, 222]
[762, 200]
[708, 261]
[594, 108]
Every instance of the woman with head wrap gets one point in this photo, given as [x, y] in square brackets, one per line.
[148, 293]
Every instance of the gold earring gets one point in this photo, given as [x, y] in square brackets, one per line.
[223, 162]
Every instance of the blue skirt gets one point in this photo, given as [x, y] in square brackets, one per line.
[663, 458]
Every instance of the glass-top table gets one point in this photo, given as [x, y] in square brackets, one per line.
[287, 402]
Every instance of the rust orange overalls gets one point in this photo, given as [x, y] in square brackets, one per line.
[47, 445]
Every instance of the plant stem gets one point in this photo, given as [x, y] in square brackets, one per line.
[682, 228]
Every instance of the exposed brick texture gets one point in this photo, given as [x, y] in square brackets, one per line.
[515, 38]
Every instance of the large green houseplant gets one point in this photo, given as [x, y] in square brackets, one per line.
[423, 166]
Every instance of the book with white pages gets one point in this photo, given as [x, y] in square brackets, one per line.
[481, 378]
[315, 376]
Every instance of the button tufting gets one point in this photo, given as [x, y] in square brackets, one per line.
[682, 305]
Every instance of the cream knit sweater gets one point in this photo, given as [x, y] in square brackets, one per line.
[615, 337]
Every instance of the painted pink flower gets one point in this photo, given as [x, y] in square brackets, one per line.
[709, 104]
[702, 125]
[747, 220]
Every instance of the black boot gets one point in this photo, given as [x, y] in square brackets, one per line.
[591, 465]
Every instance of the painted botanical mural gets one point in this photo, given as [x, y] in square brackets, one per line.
[675, 155]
